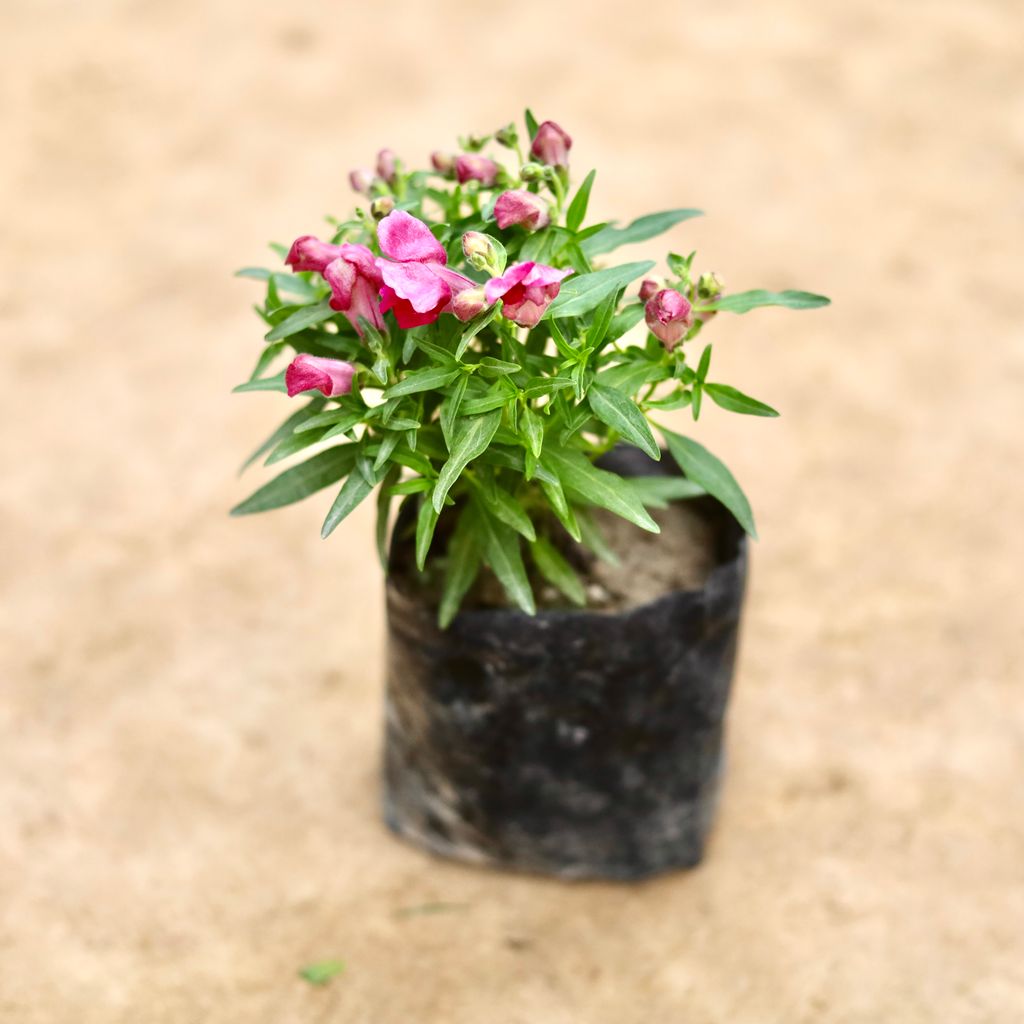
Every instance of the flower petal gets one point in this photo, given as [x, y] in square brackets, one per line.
[404, 238]
[415, 282]
[332, 376]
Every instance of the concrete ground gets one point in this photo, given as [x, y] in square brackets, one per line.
[190, 705]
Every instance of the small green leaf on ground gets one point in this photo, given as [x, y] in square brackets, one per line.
[322, 971]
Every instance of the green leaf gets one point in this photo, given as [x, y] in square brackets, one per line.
[705, 362]
[426, 520]
[283, 282]
[624, 321]
[352, 492]
[503, 506]
[602, 321]
[296, 419]
[537, 386]
[498, 365]
[620, 412]
[531, 124]
[472, 435]
[581, 293]
[638, 231]
[735, 401]
[384, 496]
[275, 383]
[321, 972]
[594, 539]
[557, 571]
[743, 302]
[388, 443]
[495, 398]
[578, 207]
[303, 317]
[430, 379]
[531, 428]
[658, 491]
[501, 550]
[330, 418]
[555, 494]
[596, 486]
[300, 481]
[463, 563]
[705, 469]
[293, 444]
[474, 329]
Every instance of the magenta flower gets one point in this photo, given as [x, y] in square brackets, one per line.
[332, 376]
[355, 284]
[474, 167]
[527, 290]
[309, 253]
[418, 286]
[517, 206]
[649, 287]
[387, 165]
[360, 179]
[551, 145]
[669, 316]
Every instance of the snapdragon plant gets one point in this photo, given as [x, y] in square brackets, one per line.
[463, 342]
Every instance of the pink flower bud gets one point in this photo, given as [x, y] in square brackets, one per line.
[381, 207]
[469, 303]
[443, 163]
[526, 290]
[387, 165]
[669, 316]
[517, 206]
[473, 167]
[551, 145]
[481, 252]
[649, 287]
[331, 376]
[360, 179]
[309, 253]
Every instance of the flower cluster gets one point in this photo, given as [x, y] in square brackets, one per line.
[465, 348]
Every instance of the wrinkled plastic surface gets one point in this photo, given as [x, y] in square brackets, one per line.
[577, 744]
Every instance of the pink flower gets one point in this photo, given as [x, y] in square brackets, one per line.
[355, 284]
[527, 290]
[474, 167]
[669, 316]
[332, 376]
[470, 302]
[387, 165]
[417, 285]
[309, 253]
[518, 206]
[360, 179]
[649, 287]
[551, 145]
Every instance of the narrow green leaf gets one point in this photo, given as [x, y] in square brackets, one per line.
[735, 401]
[330, 418]
[659, 491]
[705, 469]
[471, 437]
[293, 422]
[705, 362]
[293, 444]
[577, 211]
[594, 539]
[474, 329]
[537, 386]
[303, 317]
[596, 486]
[463, 563]
[353, 490]
[388, 443]
[503, 506]
[384, 496]
[501, 551]
[531, 427]
[557, 571]
[275, 383]
[426, 520]
[423, 380]
[531, 124]
[555, 494]
[624, 321]
[582, 292]
[499, 365]
[743, 302]
[300, 481]
[322, 972]
[602, 321]
[620, 412]
[638, 231]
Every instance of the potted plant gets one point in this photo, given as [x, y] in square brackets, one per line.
[563, 591]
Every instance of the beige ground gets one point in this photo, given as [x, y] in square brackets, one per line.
[189, 722]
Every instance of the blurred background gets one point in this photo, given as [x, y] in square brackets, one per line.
[190, 705]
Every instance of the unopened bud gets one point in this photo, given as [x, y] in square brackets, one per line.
[481, 252]
[387, 165]
[709, 285]
[650, 287]
[468, 303]
[507, 136]
[474, 143]
[381, 207]
[532, 172]
[360, 179]
[443, 163]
